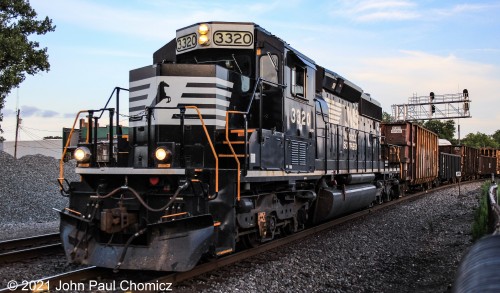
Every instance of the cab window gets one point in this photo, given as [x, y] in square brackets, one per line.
[269, 67]
[298, 81]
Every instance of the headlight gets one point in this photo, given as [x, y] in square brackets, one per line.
[82, 154]
[162, 154]
[203, 40]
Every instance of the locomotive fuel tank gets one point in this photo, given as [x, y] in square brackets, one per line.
[333, 202]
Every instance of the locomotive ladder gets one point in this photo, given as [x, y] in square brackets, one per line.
[230, 144]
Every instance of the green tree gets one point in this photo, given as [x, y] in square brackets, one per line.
[386, 117]
[445, 130]
[496, 137]
[479, 140]
[19, 55]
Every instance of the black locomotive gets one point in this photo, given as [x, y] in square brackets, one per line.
[234, 138]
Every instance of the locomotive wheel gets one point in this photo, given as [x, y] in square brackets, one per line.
[251, 240]
[272, 225]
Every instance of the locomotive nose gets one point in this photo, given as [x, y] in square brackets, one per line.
[171, 246]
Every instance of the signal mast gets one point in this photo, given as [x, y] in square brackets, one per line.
[448, 106]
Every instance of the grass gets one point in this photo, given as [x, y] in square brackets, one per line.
[480, 225]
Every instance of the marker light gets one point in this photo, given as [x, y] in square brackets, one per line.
[162, 154]
[203, 29]
[82, 154]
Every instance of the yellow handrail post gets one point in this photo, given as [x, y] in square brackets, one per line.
[61, 162]
[232, 150]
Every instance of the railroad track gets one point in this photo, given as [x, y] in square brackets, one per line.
[94, 273]
[29, 247]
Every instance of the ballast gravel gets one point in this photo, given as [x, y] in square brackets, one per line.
[412, 247]
[28, 193]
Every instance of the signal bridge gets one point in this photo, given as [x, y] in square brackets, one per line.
[448, 106]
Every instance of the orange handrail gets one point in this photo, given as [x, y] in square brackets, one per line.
[61, 162]
[211, 146]
[232, 150]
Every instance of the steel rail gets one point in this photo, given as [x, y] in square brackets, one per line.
[28, 241]
[29, 247]
[33, 252]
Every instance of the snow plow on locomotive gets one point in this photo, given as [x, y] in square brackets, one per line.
[234, 138]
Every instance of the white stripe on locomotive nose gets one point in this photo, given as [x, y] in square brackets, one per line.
[179, 93]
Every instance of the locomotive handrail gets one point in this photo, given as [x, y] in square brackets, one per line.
[326, 135]
[258, 82]
[61, 162]
[211, 146]
[148, 109]
[117, 89]
[232, 149]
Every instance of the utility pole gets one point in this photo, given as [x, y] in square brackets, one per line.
[18, 121]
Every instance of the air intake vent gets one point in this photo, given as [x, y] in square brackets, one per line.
[298, 152]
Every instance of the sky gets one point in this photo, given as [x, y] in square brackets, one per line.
[391, 49]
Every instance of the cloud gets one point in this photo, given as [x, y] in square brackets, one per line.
[30, 111]
[48, 113]
[369, 10]
[402, 10]
[392, 79]
[464, 9]
[8, 113]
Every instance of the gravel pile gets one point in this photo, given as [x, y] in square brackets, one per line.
[29, 189]
[414, 247]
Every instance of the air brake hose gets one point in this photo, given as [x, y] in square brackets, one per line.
[139, 198]
[125, 248]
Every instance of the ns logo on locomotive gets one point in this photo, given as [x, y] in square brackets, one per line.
[234, 139]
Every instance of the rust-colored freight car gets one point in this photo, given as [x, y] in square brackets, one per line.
[494, 153]
[487, 166]
[418, 152]
[470, 160]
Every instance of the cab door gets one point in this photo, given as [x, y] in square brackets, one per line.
[299, 113]
[270, 70]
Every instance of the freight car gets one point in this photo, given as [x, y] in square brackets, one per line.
[418, 153]
[493, 153]
[235, 138]
[469, 160]
[487, 166]
[449, 168]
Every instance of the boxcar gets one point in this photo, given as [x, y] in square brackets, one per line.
[449, 165]
[418, 152]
